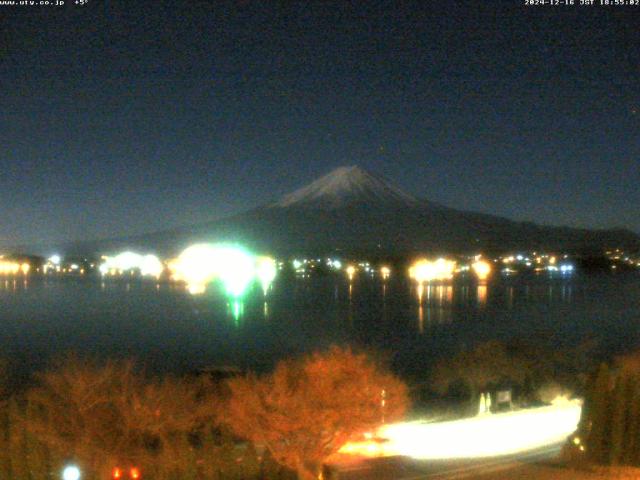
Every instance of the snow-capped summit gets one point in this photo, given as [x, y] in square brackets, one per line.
[347, 186]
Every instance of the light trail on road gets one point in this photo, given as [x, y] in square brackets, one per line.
[478, 437]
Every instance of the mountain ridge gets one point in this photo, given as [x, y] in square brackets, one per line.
[350, 210]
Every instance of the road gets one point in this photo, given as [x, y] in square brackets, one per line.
[462, 448]
[403, 468]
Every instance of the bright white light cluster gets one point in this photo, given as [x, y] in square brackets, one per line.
[428, 271]
[266, 271]
[8, 267]
[482, 436]
[125, 262]
[201, 264]
[71, 472]
[334, 264]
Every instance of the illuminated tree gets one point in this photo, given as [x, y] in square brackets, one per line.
[307, 409]
[108, 415]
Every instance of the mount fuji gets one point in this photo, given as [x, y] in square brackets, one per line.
[347, 186]
[352, 211]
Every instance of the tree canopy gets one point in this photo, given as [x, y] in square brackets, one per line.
[107, 415]
[307, 409]
[610, 422]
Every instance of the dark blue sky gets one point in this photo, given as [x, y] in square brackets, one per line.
[124, 117]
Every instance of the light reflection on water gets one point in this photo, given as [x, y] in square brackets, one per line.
[482, 294]
[169, 329]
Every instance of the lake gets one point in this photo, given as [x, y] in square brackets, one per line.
[167, 329]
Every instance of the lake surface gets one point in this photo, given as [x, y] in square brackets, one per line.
[167, 329]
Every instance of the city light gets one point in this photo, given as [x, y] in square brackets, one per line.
[9, 268]
[196, 266]
[422, 271]
[129, 262]
[151, 266]
[351, 270]
[117, 473]
[126, 261]
[385, 272]
[482, 269]
[481, 436]
[427, 271]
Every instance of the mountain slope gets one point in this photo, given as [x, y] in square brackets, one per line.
[351, 211]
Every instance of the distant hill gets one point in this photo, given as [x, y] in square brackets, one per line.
[352, 211]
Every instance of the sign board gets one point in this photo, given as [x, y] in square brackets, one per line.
[503, 396]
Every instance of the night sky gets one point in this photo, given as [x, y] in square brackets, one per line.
[125, 117]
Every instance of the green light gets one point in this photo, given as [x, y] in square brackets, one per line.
[236, 269]
[237, 309]
[200, 264]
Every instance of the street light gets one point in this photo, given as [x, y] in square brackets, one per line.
[71, 472]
